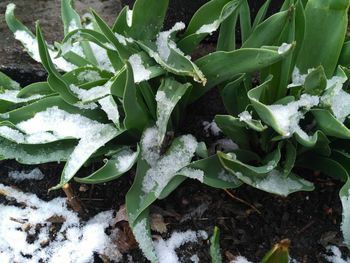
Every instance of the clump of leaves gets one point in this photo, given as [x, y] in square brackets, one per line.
[297, 116]
[113, 93]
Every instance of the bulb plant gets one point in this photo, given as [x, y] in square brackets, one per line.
[114, 93]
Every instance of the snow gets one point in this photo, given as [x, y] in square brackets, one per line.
[92, 93]
[278, 183]
[208, 28]
[163, 40]
[288, 116]
[43, 155]
[72, 26]
[165, 249]
[139, 70]
[284, 48]
[224, 144]
[226, 177]
[240, 259]
[11, 96]
[195, 258]
[31, 45]
[164, 168]
[192, 173]
[345, 226]
[123, 40]
[101, 57]
[337, 98]
[62, 124]
[88, 76]
[109, 106]
[337, 256]
[245, 116]
[145, 242]
[125, 160]
[129, 15]
[76, 241]
[212, 127]
[150, 150]
[20, 176]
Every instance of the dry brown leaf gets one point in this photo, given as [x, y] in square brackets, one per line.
[157, 223]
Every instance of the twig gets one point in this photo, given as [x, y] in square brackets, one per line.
[73, 201]
[242, 201]
[306, 227]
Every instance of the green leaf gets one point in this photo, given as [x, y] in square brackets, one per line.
[323, 47]
[168, 95]
[206, 20]
[344, 195]
[329, 124]
[150, 13]
[71, 21]
[36, 154]
[171, 58]
[344, 58]
[136, 117]
[215, 246]
[7, 83]
[55, 80]
[234, 129]
[121, 162]
[261, 14]
[278, 254]
[37, 88]
[29, 41]
[234, 96]
[266, 177]
[245, 20]
[227, 35]
[315, 82]
[229, 64]
[268, 32]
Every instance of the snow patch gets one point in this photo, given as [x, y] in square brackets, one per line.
[212, 127]
[20, 176]
[208, 28]
[139, 70]
[284, 48]
[76, 242]
[337, 255]
[164, 168]
[165, 249]
[163, 41]
[288, 116]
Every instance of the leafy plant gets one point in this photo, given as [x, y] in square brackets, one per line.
[297, 116]
[113, 93]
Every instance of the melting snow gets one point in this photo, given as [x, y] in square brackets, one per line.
[212, 127]
[165, 249]
[129, 17]
[345, 226]
[76, 241]
[337, 256]
[139, 70]
[109, 106]
[125, 160]
[208, 28]
[245, 116]
[88, 76]
[163, 41]
[166, 167]
[284, 48]
[34, 174]
[288, 116]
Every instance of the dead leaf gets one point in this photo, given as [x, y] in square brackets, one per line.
[157, 223]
